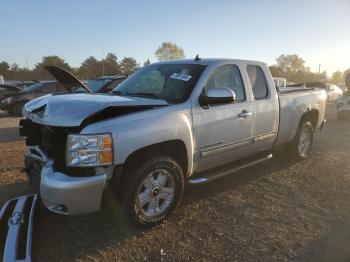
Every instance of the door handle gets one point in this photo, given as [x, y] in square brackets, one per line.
[244, 114]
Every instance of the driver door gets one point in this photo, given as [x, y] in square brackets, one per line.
[224, 132]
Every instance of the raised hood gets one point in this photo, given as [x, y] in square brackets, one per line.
[66, 79]
[71, 110]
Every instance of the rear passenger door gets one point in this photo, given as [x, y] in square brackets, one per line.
[265, 107]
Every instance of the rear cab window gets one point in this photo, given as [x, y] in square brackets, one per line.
[258, 82]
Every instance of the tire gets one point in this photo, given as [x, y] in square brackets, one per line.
[300, 147]
[147, 196]
[17, 109]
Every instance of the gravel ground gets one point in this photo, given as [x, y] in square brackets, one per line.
[276, 211]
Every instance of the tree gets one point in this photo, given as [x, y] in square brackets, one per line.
[169, 51]
[89, 68]
[147, 62]
[53, 60]
[276, 71]
[290, 63]
[292, 67]
[110, 65]
[337, 77]
[128, 65]
[5, 69]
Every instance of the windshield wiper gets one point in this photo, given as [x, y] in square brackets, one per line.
[145, 94]
[117, 92]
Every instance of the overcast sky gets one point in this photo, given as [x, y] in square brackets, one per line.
[317, 30]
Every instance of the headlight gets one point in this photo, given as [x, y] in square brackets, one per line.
[89, 150]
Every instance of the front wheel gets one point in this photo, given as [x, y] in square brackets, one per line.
[300, 147]
[152, 191]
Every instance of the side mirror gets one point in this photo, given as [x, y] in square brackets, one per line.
[217, 96]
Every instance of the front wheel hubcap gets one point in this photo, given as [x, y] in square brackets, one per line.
[156, 193]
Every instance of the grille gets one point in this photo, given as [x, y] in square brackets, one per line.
[49, 138]
[52, 140]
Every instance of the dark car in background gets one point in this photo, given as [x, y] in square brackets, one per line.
[105, 84]
[25, 84]
[8, 90]
[66, 82]
[14, 103]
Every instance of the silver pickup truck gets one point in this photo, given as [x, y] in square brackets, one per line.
[168, 124]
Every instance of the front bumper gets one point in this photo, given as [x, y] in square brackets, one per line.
[60, 192]
[70, 195]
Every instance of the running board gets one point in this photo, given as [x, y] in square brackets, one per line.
[219, 174]
[16, 224]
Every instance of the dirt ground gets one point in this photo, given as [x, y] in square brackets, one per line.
[277, 211]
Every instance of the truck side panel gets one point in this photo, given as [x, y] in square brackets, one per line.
[292, 107]
[148, 128]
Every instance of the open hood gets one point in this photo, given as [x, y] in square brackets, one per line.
[66, 79]
[73, 110]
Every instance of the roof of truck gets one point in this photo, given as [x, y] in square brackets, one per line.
[208, 61]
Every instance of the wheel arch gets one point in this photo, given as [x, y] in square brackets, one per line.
[310, 115]
[175, 149]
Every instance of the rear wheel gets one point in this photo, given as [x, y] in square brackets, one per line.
[153, 190]
[300, 147]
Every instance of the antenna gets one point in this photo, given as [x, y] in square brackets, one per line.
[197, 58]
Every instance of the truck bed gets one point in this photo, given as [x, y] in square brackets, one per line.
[294, 102]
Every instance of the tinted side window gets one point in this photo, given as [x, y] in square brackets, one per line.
[258, 82]
[227, 76]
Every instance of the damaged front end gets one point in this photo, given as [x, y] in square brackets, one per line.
[65, 190]
[16, 227]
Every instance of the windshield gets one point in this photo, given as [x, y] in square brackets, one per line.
[96, 84]
[171, 82]
[33, 87]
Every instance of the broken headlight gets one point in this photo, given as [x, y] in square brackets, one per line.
[89, 150]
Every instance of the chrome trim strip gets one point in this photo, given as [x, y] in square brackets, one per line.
[226, 147]
[264, 137]
[15, 222]
[202, 180]
[30, 229]
[213, 144]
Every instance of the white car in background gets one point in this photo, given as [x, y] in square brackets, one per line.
[333, 92]
[343, 103]
[343, 106]
[280, 82]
